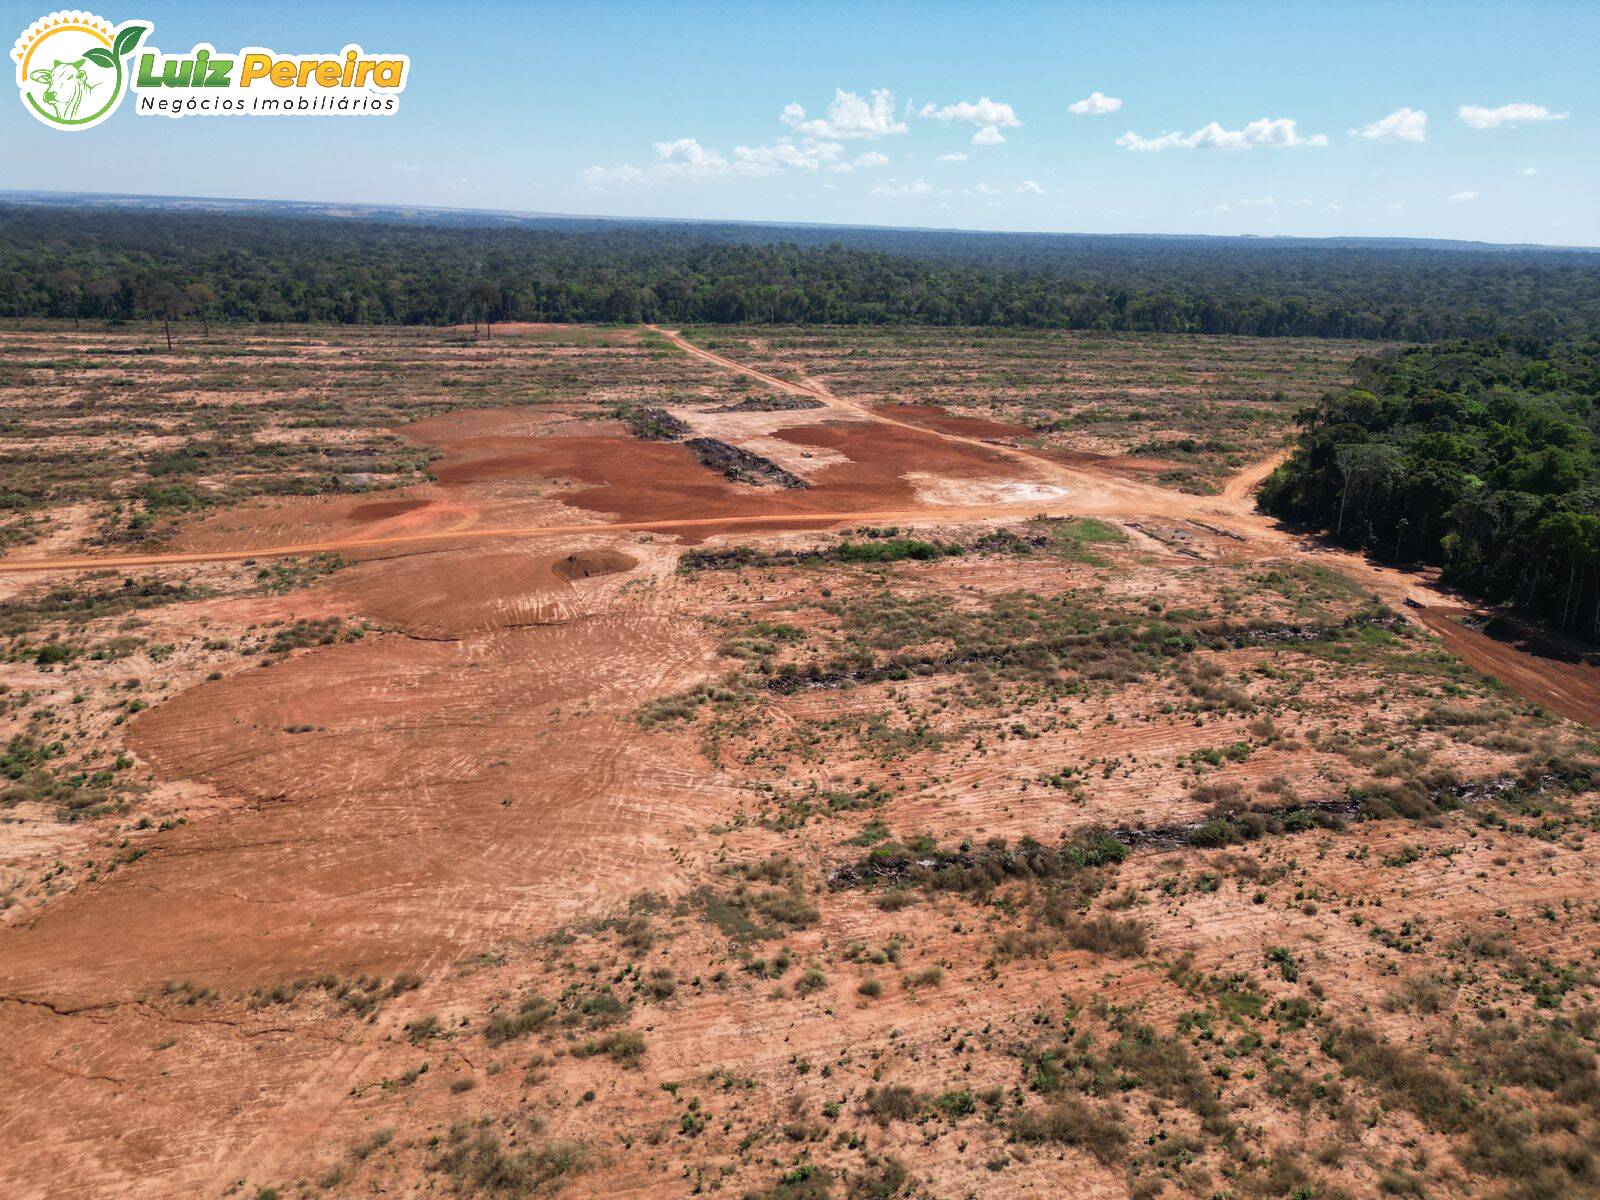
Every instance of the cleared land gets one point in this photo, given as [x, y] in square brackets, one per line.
[1075, 835]
[1186, 412]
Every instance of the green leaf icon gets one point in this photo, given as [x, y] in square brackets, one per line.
[100, 57]
[128, 39]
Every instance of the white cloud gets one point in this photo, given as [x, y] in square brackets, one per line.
[1529, 171]
[984, 112]
[687, 158]
[1509, 115]
[1279, 133]
[1463, 197]
[1029, 188]
[1402, 125]
[849, 116]
[989, 135]
[952, 158]
[815, 145]
[786, 154]
[1095, 104]
[684, 158]
[893, 187]
[605, 176]
[1260, 202]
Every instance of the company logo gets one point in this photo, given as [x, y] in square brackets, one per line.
[73, 69]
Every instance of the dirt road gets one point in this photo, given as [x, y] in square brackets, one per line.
[1241, 489]
[1569, 688]
[1572, 689]
[519, 533]
[423, 803]
[1095, 489]
[1089, 493]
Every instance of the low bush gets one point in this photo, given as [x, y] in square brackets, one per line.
[478, 1162]
[531, 1014]
[1120, 937]
[1071, 1121]
[891, 1102]
[625, 1046]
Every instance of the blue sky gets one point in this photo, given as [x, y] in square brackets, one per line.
[933, 114]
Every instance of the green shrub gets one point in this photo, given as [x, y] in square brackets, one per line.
[804, 1182]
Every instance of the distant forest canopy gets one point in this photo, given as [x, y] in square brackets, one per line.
[1481, 456]
[142, 263]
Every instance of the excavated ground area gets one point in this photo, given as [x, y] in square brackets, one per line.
[987, 854]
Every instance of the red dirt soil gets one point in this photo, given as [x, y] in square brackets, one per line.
[937, 418]
[464, 782]
[413, 828]
[1569, 688]
[1109, 462]
[641, 481]
[492, 484]
[496, 473]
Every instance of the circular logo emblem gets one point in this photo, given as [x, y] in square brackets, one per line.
[71, 68]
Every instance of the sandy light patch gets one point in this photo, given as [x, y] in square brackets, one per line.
[936, 489]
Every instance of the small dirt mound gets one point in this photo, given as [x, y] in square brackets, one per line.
[586, 564]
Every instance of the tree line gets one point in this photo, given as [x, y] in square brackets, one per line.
[142, 264]
[1481, 456]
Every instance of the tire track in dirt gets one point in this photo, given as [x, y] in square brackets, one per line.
[398, 846]
[1571, 689]
[757, 522]
[448, 794]
[1090, 493]
[1101, 489]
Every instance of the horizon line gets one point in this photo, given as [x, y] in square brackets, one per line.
[533, 215]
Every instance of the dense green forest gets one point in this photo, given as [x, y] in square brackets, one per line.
[124, 263]
[1480, 456]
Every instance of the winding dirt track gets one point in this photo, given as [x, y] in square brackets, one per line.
[1090, 493]
[399, 541]
[1572, 689]
[416, 834]
[1089, 488]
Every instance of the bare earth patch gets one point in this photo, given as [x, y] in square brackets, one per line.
[1064, 834]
